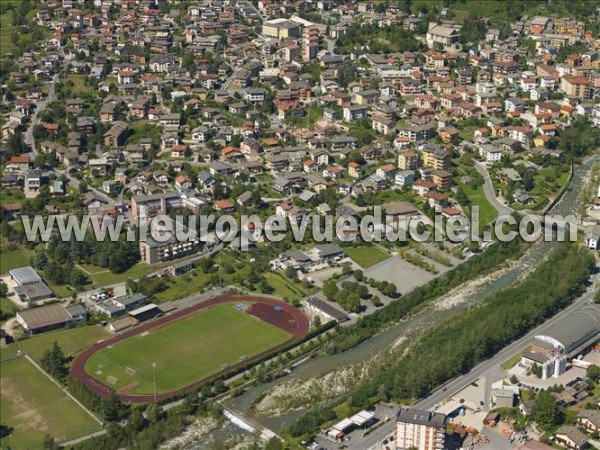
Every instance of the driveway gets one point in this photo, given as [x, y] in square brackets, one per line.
[488, 189]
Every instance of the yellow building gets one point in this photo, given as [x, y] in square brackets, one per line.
[281, 29]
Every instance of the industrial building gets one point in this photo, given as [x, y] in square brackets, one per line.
[563, 340]
[360, 420]
[29, 285]
[566, 336]
[45, 318]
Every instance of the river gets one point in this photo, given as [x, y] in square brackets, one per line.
[325, 363]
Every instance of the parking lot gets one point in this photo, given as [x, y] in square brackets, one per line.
[404, 275]
[360, 439]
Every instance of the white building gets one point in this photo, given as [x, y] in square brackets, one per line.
[421, 430]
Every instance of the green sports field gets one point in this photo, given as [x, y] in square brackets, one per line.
[32, 405]
[185, 351]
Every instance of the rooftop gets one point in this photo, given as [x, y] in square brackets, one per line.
[420, 417]
[45, 316]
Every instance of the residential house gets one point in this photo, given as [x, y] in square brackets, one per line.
[404, 178]
[355, 170]
[116, 135]
[571, 438]
[386, 172]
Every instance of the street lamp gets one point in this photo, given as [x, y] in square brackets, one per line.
[154, 379]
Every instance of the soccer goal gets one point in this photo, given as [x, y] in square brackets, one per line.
[111, 379]
[129, 371]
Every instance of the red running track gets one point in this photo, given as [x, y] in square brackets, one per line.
[289, 319]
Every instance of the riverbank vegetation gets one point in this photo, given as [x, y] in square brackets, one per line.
[464, 340]
[481, 265]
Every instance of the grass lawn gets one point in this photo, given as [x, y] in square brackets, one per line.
[7, 307]
[510, 362]
[62, 291]
[91, 269]
[79, 87]
[466, 133]
[185, 351]
[366, 256]
[184, 285]
[143, 128]
[13, 259]
[8, 196]
[33, 405]
[71, 341]
[6, 30]
[282, 288]
[103, 277]
[487, 212]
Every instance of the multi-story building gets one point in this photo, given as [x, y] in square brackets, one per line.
[421, 430]
[408, 161]
[436, 156]
[148, 206]
[417, 133]
[442, 179]
[442, 35]
[575, 86]
[281, 29]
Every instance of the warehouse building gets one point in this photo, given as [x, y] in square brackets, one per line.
[570, 334]
[44, 318]
[29, 285]
[328, 311]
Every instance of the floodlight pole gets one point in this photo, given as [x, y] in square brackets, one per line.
[154, 379]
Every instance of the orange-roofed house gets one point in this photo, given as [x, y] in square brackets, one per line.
[355, 170]
[51, 128]
[334, 172]
[229, 153]
[542, 140]
[224, 205]
[408, 161]
[547, 129]
[387, 171]
[19, 163]
[183, 183]
[310, 166]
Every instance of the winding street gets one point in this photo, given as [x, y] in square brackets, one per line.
[41, 105]
[488, 189]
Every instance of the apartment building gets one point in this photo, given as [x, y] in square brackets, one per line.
[421, 430]
[148, 206]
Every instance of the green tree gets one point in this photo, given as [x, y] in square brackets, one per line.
[593, 372]
[545, 411]
[40, 260]
[113, 408]
[330, 290]
[54, 362]
[49, 444]
[137, 420]
[274, 444]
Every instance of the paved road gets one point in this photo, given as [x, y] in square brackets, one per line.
[75, 183]
[457, 384]
[41, 105]
[488, 189]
